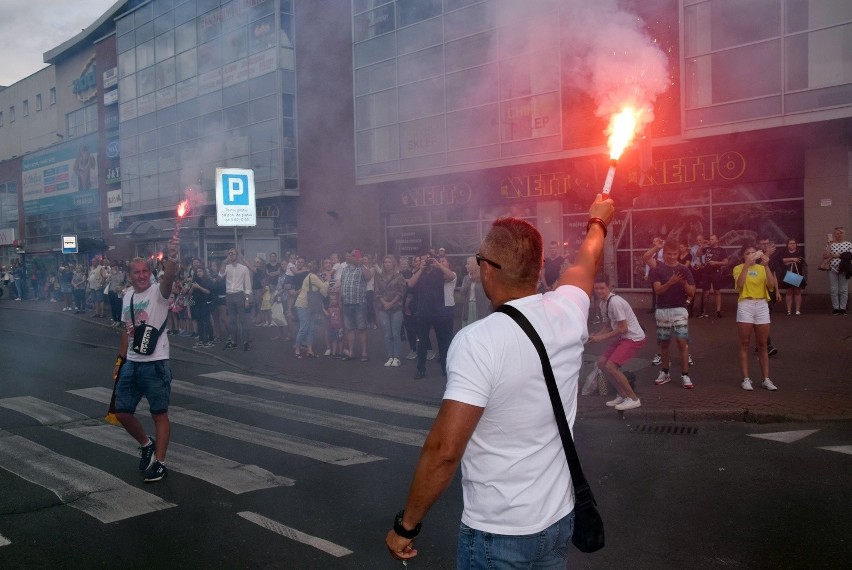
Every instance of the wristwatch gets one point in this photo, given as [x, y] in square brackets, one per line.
[401, 530]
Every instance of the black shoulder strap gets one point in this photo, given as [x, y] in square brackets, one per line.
[582, 492]
[133, 316]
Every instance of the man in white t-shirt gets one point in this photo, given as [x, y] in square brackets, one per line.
[496, 418]
[620, 322]
[141, 372]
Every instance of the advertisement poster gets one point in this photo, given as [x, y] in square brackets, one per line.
[64, 177]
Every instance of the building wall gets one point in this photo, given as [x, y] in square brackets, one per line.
[38, 128]
[333, 214]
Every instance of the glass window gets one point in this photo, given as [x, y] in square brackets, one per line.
[126, 63]
[364, 5]
[374, 23]
[168, 135]
[263, 109]
[26, 107]
[128, 147]
[168, 160]
[235, 94]
[377, 145]
[144, 33]
[143, 14]
[144, 55]
[235, 15]
[209, 56]
[164, 46]
[471, 87]
[412, 11]
[188, 130]
[529, 74]
[1, 118]
[185, 37]
[289, 133]
[12, 114]
[260, 8]
[123, 25]
[377, 77]
[289, 105]
[287, 6]
[422, 35]
[125, 42]
[184, 13]
[186, 65]
[375, 50]
[262, 85]
[421, 64]
[237, 116]
[207, 5]
[476, 18]
[127, 88]
[209, 26]
[53, 95]
[471, 51]
[165, 73]
[421, 99]
[473, 127]
[262, 34]
[145, 82]
[163, 6]
[236, 45]
[263, 136]
[286, 30]
[164, 23]
[210, 102]
[167, 116]
[148, 141]
[290, 163]
[376, 110]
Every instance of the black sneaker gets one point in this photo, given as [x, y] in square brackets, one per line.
[155, 472]
[246, 346]
[230, 345]
[772, 351]
[146, 458]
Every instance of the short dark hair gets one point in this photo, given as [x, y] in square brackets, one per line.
[602, 278]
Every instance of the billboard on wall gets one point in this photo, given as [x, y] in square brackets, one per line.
[63, 177]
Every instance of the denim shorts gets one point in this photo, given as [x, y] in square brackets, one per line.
[355, 316]
[547, 549]
[670, 321]
[150, 379]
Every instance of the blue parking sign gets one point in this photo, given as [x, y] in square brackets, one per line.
[235, 189]
[235, 205]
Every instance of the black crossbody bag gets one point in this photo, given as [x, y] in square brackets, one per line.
[588, 526]
[145, 336]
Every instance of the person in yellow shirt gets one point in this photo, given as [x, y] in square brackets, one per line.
[754, 281]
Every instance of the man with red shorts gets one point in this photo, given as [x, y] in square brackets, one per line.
[620, 323]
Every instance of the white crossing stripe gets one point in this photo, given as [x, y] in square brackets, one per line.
[87, 489]
[318, 450]
[230, 475]
[4, 541]
[363, 400]
[847, 449]
[235, 477]
[785, 436]
[46, 413]
[293, 534]
[360, 426]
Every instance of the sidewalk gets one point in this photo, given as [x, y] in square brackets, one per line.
[813, 369]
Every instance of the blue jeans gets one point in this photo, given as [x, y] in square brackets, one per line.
[839, 287]
[391, 323]
[547, 549]
[150, 379]
[305, 336]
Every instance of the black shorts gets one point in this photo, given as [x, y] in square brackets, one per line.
[711, 279]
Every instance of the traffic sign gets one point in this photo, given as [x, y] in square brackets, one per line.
[235, 205]
[69, 244]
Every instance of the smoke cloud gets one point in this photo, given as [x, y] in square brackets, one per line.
[612, 58]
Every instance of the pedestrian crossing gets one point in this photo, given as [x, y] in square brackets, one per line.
[107, 498]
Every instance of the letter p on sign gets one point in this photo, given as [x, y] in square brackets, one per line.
[235, 205]
[236, 189]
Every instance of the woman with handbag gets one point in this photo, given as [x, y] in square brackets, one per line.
[795, 271]
[308, 304]
[838, 281]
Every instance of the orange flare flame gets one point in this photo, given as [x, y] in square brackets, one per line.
[183, 208]
[621, 130]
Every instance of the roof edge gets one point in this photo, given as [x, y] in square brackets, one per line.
[50, 56]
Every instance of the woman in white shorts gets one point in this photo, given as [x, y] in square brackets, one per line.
[754, 281]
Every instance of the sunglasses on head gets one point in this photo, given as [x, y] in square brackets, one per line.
[479, 259]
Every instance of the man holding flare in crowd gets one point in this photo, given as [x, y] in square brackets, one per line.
[496, 418]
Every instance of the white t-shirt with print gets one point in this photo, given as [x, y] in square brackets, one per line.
[149, 306]
[515, 477]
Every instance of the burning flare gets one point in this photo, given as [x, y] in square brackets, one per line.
[621, 130]
[183, 208]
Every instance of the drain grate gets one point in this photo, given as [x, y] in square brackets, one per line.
[665, 430]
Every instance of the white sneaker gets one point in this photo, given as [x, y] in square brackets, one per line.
[430, 355]
[686, 382]
[691, 363]
[628, 404]
[395, 362]
[769, 385]
[663, 378]
[345, 352]
[613, 403]
[327, 352]
[389, 362]
[657, 360]
[747, 384]
[411, 355]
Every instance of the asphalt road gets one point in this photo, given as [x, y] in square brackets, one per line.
[272, 474]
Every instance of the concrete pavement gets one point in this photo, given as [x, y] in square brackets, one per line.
[811, 370]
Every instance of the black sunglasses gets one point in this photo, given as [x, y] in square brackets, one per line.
[480, 259]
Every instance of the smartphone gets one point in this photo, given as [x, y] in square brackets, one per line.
[829, 237]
